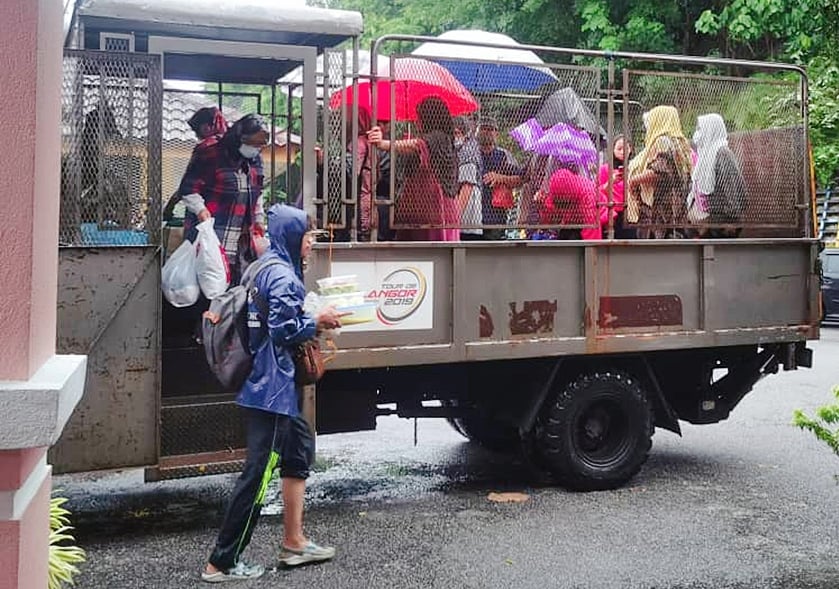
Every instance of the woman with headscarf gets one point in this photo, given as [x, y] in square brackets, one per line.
[430, 188]
[718, 194]
[571, 197]
[224, 181]
[659, 177]
[209, 126]
[571, 200]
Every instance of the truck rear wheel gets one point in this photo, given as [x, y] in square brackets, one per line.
[486, 431]
[597, 432]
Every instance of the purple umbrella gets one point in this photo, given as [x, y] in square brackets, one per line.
[567, 144]
[527, 134]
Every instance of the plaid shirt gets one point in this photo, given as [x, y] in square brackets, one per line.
[232, 191]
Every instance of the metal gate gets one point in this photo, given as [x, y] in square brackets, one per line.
[109, 257]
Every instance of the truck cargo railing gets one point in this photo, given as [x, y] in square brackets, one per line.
[763, 105]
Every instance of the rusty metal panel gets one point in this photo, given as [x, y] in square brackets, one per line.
[769, 290]
[518, 292]
[640, 311]
[648, 290]
[526, 301]
[108, 308]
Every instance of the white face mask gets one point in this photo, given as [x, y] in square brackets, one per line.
[458, 143]
[249, 151]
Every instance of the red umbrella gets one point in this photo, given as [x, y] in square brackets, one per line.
[413, 80]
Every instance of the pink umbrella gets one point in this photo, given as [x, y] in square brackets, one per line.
[413, 80]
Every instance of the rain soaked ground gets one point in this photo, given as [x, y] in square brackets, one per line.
[748, 503]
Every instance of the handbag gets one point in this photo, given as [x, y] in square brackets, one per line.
[502, 197]
[309, 363]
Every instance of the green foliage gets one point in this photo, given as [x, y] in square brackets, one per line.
[824, 118]
[769, 28]
[801, 31]
[64, 555]
[825, 426]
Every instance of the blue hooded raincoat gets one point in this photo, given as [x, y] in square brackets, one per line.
[271, 386]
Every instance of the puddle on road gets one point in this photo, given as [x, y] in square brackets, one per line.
[379, 466]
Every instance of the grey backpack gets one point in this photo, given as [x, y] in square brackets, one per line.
[225, 329]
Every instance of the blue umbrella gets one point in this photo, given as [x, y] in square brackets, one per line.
[488, 69]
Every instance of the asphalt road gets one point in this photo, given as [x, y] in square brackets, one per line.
[748, 503]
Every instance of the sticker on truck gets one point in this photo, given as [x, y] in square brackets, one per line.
[403, 293]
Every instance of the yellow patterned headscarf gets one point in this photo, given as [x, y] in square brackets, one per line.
[660, 121]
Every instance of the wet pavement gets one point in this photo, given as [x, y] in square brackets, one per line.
[748, 503]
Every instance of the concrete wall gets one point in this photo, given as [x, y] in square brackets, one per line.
[30, 62]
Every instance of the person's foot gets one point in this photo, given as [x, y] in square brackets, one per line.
[240, 572]
[309, 553]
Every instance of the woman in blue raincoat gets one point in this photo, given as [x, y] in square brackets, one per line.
[277, 434]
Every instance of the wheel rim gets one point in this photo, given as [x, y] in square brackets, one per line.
[602, 434]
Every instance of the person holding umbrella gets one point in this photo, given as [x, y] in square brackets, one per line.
[428, 199]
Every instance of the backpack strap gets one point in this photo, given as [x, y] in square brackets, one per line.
[249, 280]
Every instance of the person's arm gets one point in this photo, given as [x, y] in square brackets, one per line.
[647, 177]
[510, 174]
[467, 175]
[256, 174]
[288, 324]
[375, 137]
[193, 183]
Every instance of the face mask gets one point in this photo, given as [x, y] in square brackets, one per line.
[248, 151]
[458, 143]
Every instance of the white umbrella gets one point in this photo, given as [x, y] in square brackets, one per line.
[488, 69]
[295, 76]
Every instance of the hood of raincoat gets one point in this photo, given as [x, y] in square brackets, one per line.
[286, 227]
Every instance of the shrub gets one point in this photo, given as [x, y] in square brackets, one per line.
[64, 555]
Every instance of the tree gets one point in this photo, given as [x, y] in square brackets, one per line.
[801, 31]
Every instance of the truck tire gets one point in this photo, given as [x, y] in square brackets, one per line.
[596, 433]
[485, 431]
[489, 433]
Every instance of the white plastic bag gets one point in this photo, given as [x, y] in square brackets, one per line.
[210, 261]
[178, 278]
[312, 305]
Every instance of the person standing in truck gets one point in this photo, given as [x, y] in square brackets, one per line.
[718, 195]
[224, 180]
[469, 178]
[277, 434]
[208, 124]
[428, 196]
[659, 177]
[620, 154]
[501, 174]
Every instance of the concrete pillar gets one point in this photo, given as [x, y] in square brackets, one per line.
[38, 390]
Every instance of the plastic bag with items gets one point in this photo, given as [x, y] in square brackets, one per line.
[178, 277]
[312, 305]
[211, 262]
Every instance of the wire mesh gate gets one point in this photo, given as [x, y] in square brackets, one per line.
[366, 191]
[110, 172]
